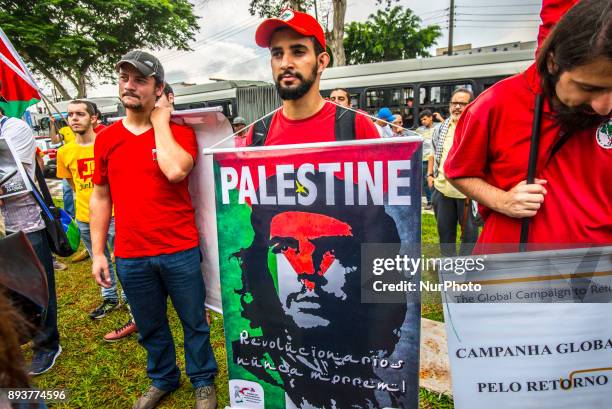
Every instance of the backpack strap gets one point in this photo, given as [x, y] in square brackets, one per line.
[260, 131]
[344, 124]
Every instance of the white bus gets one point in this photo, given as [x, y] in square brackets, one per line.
[409, 86]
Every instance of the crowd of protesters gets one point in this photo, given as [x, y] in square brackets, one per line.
[478, 154]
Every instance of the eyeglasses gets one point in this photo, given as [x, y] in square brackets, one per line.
[461, 104]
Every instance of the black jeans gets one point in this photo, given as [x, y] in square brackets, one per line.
[48, 337]
[449, 213]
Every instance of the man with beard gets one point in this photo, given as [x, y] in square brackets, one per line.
[298, 58]
[570, 199]
[301, 284]
[144, 161]
[450, 205]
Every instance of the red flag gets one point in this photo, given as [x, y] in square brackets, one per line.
[18, 86]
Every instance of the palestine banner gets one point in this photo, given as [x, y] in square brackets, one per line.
[536, 334]
[18, 86]
[292, 223]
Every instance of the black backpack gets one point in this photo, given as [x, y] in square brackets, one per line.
[344, 129]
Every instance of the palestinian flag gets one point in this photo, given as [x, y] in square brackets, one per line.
[18, 86]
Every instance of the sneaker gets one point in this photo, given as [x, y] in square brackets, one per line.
[206, 398]
[105, 308]
[150, 399]
[57, 266]
[82, 255]
[42, 361]
[128, 329]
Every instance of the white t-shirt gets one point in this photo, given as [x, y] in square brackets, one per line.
[21, 212]
[384, 131]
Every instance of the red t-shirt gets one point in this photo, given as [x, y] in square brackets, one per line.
[318, 128]
[99, 128]
[152, 215]
[492, 142]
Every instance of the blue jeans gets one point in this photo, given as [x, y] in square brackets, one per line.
[68, 195]
[107, 293]
[147, 282]
[48, 337]
[426, 188]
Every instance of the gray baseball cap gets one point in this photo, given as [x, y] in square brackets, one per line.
[147, 64]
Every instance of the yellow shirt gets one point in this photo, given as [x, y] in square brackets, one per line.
[440, 183]
[67, 134]
[76, 162]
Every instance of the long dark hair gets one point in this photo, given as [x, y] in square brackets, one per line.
[579, 38]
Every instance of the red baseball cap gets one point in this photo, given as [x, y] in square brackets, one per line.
[303, 23]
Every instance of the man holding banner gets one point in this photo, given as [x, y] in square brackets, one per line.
[144, 160]
[298, 58]
[570, 198]
[290, 238]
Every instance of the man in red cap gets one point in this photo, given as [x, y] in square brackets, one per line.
[298, 58]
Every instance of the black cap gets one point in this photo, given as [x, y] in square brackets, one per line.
[147, 64]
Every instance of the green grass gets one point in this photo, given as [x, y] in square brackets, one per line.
[99, 374]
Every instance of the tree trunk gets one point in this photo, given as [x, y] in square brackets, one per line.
[296, 4]
[82, 88]
[49, 75]
[336, 37]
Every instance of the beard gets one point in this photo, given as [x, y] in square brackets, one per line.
[137, 106]
[293, 93]
[571, 119]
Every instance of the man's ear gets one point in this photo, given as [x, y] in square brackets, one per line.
[322, 61]
[551, 65]
[159, 90]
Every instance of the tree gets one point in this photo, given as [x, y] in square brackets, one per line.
[75, 39]
[337, 8]
[390, 34]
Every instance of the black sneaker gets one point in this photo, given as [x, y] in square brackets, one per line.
[42, 361]
[105, 308]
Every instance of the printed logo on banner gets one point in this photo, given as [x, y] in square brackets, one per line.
[604, 135]
[246, 394]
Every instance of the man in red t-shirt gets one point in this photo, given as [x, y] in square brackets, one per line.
[141, 168]
[298, 58]
[569, 203]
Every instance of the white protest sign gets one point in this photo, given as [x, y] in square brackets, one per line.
[532, 354]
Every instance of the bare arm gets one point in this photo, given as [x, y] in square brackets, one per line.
[53, 134]
[430, 179]
[174, 161]
[523, 200]
[100, 211]
[71, 183]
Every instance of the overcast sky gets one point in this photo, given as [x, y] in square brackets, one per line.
[225, 46]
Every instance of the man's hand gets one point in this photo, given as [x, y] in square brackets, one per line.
[99, 270]
[430, 181]
[162, 111]
[523, 200]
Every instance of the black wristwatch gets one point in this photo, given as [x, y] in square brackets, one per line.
[430, 174]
